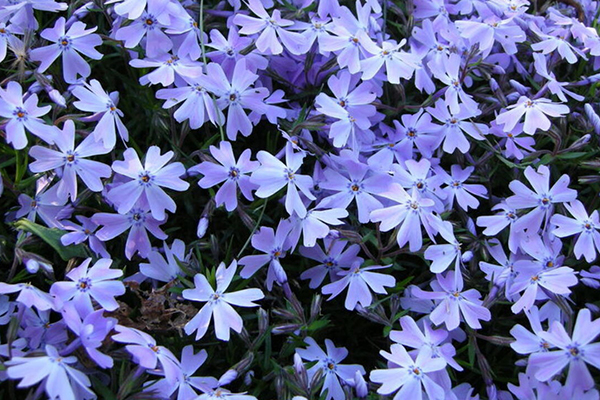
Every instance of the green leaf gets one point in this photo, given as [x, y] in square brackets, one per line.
[52, 237]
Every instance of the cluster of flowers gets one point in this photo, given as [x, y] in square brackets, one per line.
[388, 119]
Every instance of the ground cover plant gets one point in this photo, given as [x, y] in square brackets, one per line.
[299, 200]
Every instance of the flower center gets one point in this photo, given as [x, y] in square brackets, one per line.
[84, 284]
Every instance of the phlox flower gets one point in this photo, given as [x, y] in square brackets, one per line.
[415, 337]
[93, 98]
[421, 178]
[450, 74]
[455, 125]
[503, 273]
[46, 204]
[333, 257]
[409, 376]
[358, 183]
[273, 175]
[39, 328]
[227, 54]
[584, 225]
[329, 363]
[233, 173]
[147, 180]
[72, 162]
[235, 94]
[218, 393]
[528, 342]
[398, 64]
[147, 353]
[167, 68]
[97, 282]
[218, 303]
[418, 131]
[407, 213]
[68, 44]
[271, 28]
[90, 330]
[491, 29]
[148, 24]
[494, 224]
[272, 244]
[21, 13]
[133, 9]
[360, 282]
[542, 200]
[463, 192]
[186, 384]
[24, 115]
[7, 38]
[454, 302]
[59, 379]
[535, 112]
[186, 34]
[165, 268]
[80, 233]
[575, 350]
[196, 103]
[29, 295]
[138, 221]
[556, 42]
[515, 143]
[557, 88]
[314, 225]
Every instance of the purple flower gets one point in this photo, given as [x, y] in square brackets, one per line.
[352, 108]
[494, 224]
[165, 270]
[453, 302]
[584, 225]
[503, 273]
[139, 221]
[408, 214]
[412, 336]
[409, 376]
[359, 183]
[456, 124]
[72, 162]
[575, 350]
[461, 191]
[535, 112]
[24, 115]
[233, 173]
[21, 13]
[95, 283]
[329, 363]
[236, 94]
[272, 175]
[186, 383]
[273, 245]
[91, 330]
[167, 67]
[147, 23]
[530, 342]
[59, 379]
[147, 353]
[198, 105]
[360, 282]
[29, 295]
[227, 51]
[398, 64]
[332, 259]
[93, 98]
[218, 303]
[76, 40]
[148, 180]
[271, 28]
[314, 225]
[542, 199]
[46, 203]
[83, 232]
[451, 75]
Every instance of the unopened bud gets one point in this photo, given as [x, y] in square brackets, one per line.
[280, 274]
[248, 378]
[494, 84]
[467, 256]
[228, 377]
[522, 89]
[202, 227]
[285, 329]
[263, 321]
[300, 370]
[57, 98]
[315, 306]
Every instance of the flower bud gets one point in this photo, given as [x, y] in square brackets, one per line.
[248, 378]
[228, 377]
[202, 227]
[57, 98]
